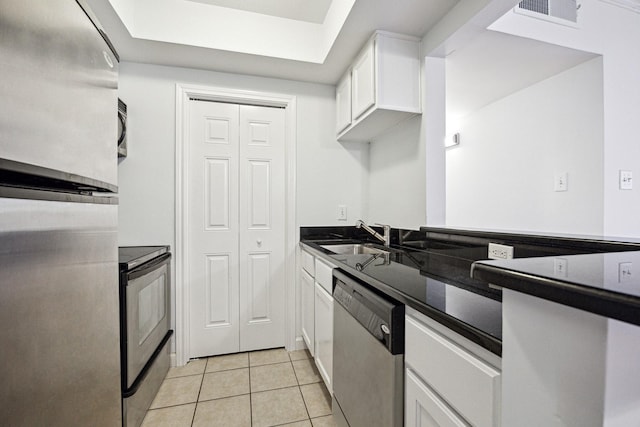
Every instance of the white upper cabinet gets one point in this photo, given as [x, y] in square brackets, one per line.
[363, 85]
[343, 101]
[380, 89]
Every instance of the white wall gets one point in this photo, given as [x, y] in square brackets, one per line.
[613, 32]
[406, 164]
[396, 191]
[501, 176]
[328, 173]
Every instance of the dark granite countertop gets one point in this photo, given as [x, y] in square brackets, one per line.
[607, 284]
[437, 284]
[444, 273]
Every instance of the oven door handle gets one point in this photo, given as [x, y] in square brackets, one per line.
[148, 266]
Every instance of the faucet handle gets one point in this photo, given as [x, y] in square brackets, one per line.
[387, 233]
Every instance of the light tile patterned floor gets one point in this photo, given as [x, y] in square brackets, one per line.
[257, 389]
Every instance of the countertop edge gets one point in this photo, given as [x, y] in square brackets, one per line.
[587, 242]
[479, 337]
[598, 301]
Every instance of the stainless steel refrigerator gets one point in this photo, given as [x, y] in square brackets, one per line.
[59, 333]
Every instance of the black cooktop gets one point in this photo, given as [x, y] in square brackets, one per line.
[129, 257]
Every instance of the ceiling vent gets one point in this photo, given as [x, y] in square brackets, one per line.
[560, 9]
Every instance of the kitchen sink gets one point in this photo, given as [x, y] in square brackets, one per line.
[354, 249]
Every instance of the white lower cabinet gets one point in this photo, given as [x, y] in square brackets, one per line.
[316, 312]
[451, 381]
[423, 407]
[307, 300]
[324, 335]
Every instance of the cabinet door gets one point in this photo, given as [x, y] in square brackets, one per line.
[308, 262]
[424, 408]
[343, 103]
[466, 382]
[363, 81]
[324, 335]
[307, 309]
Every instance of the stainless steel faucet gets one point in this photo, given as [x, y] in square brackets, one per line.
[386, 239]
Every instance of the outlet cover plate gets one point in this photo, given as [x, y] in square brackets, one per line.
[626, 180]
[560, 182]
[342, 212]
[498, 251]
[625, 270]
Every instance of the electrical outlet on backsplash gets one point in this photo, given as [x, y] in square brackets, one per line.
[498, 251]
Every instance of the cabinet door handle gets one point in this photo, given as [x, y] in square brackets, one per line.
[259, 242]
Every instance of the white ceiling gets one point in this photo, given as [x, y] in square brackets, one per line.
[487, 67]
[494, 65]
[300, 10]
[411, 17]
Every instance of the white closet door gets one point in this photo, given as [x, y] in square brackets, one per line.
[262, 227]
[213, 228]
[236, 172]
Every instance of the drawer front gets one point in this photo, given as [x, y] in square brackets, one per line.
[470, 385]
[308, 262]
[324, 275]
[424, 408]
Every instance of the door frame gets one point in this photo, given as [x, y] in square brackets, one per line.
[185, 93]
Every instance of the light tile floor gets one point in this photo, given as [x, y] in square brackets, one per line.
[257, 389]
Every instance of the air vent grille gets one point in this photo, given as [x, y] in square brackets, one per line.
[561, 9]
[539, 6]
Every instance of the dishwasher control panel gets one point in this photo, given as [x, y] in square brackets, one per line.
[381, 317]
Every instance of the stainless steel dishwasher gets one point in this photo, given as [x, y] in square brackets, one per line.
[368, 347]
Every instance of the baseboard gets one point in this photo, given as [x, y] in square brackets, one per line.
[300, 344]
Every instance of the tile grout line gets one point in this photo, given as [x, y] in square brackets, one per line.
[250, 392]
[273, 389]
[193, 418]
[300, 390]
[249, 367]
[224, 397]
[271, 363]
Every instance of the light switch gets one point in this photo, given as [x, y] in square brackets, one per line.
[560, 267]
[342, 212]
[626, 180]
[560, 182]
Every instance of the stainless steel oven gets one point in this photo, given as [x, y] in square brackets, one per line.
[145, 278]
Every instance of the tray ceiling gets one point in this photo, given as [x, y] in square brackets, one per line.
[313, 11]
[203, 35]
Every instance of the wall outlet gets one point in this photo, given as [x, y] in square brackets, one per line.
[625, 270]
[497, 251]
[342, 212]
